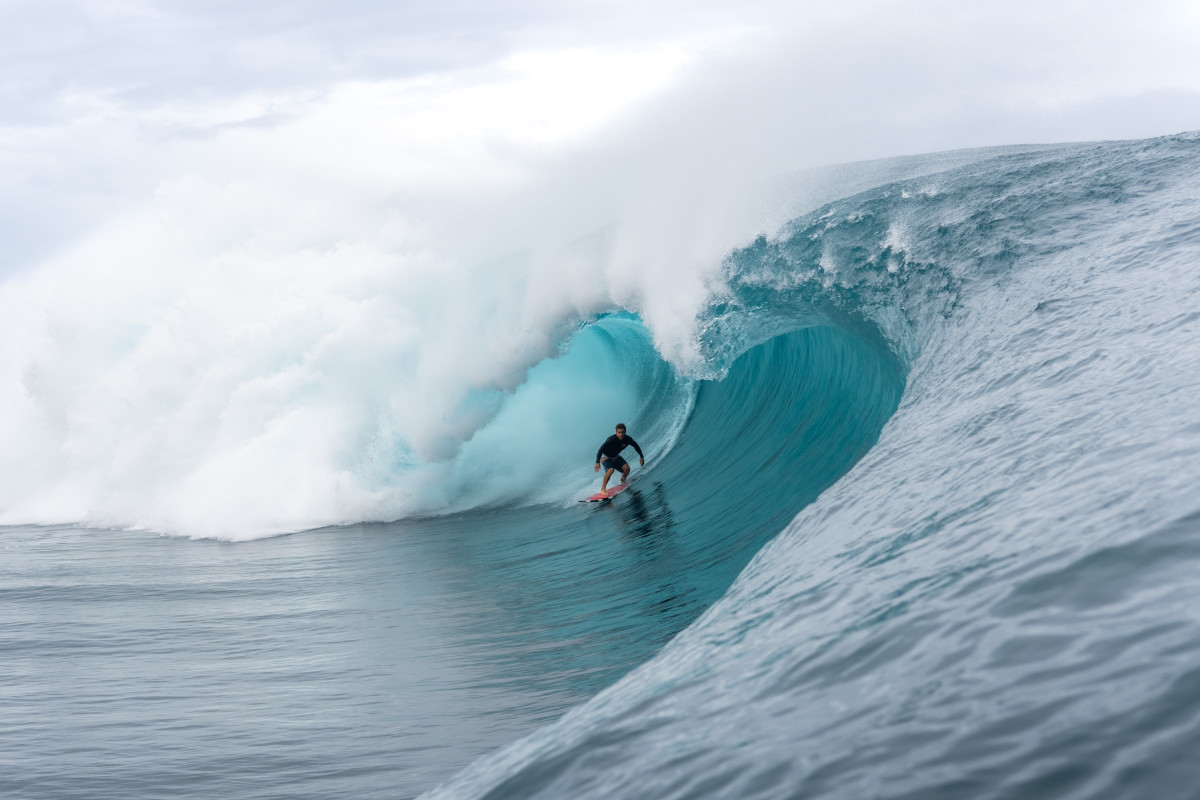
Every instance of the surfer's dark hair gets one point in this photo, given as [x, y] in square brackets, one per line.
[621, 426]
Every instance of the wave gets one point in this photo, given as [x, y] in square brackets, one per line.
[946, 424]
[994, 600]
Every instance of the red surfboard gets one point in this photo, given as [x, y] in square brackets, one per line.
[613, 491]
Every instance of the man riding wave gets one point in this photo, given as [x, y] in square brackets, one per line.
[609, 453]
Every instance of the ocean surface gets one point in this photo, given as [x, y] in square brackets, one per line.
[920, 518]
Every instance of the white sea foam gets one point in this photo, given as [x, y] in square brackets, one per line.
[285, 337]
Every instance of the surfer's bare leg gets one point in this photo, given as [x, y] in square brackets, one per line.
[625, 474]
[604, 483]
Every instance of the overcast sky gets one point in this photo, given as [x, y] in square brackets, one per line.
[579, 110]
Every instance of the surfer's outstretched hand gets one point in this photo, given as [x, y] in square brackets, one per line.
[597, 469]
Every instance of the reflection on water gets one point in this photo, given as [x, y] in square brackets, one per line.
[647, 513]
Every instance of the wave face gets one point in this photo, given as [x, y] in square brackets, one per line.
[998, 599]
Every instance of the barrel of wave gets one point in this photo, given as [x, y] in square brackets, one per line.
[540, 445]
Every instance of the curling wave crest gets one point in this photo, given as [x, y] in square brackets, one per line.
[996, 600]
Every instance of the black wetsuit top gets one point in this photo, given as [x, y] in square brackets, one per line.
[613, 446]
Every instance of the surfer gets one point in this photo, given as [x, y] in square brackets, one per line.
[610, 454]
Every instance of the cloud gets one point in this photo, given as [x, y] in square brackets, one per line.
[99, 98]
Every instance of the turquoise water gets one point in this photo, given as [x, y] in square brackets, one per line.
[928, 528]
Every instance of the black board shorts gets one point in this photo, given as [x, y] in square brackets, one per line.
[614, 462]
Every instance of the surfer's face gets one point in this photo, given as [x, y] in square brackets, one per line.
[620, 433]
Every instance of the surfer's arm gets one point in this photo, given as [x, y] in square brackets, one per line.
[641, 457]
[600, 454]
